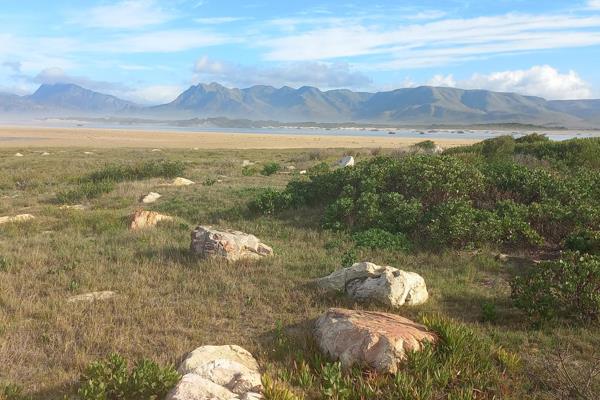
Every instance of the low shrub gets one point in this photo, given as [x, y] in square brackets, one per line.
[270, 168]
[85, 191]
[379, 239]
[12, 392]
[568, 288]
[500, 147]
[112, 379]
[145, 170]
[585, 241]
[249, 170]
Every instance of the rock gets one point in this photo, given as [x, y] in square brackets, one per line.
[375, 339]
[16, 218]
[88, 153]
[45, 153]
[388, 285]
[146, 219]
[229, 244]
[156, 150]
[182, 182]
[93, 296]
[151, 197]
[77, 207]
[291, 168]
[218, 372]
[502, 257]
[247, 163]
[18, 155]
[303, 172]
[347, 161]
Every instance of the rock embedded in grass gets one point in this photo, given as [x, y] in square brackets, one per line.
[218, 372]
[76, 207]
[18, 155]
[147, 219]
[182, 182]
[151, 197]
[229, 244]
[368, 281]
[16, 218]
[377, 340]
[93, 296]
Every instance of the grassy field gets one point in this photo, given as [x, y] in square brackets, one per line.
[169, 302]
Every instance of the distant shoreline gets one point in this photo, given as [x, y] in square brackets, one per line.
[15, 137]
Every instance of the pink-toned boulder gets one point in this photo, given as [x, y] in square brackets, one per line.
[147, 219]
[231, 245]
[375, 339]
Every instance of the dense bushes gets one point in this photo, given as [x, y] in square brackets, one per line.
[444, 200]
[569, 287]
[112, 379]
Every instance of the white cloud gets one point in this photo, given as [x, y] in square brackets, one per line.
[155, 94]
[164, 41]
[322, 75]
[218, 20]
[433, 43]
[55, 75]
[593, 4]
[126, 14]
[442, 80]
[540, 80]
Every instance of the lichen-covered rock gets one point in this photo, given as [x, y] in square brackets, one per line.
[231, 245]
[182, 182]
[218, 372]
[388, 285]
[347, 161]
[375, 339]
[147, 219]
[151, 197]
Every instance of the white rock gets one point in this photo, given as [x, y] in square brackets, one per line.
[45, 153]
[247, 163]
[151, 197]
[88, 153]
[16, 218]
[230, 374]
[303, 172]
[147, 219]
[229, 244]
[194, 387]
[347, 161]
[291, 167]
[206, 354]
[375, 339]
[18, 155]
[388, 285]
[93, 296]
[156, 150]
[77, 207]
[182, 182]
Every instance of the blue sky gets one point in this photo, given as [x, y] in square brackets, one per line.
[150, 50]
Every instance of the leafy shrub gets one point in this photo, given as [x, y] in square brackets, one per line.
[270, 168]
[276, 391]
[446, 200]
[427, 145]
[379, 239]
[498, 148]
[85, 191]
[12, 392]
[111, 379]
[149, 169]
[248, 171]
[569, 287]
[587, 241]
[533, 138]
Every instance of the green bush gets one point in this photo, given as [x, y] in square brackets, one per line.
[149, 169]
[379, 239]
[248, 171]
[569, 288]
[111, 379]
[533, 138]
[586, 241]
[270, 168]
[85, 191]
[501, 147]
[12, 392]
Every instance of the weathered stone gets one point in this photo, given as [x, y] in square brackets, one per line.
[146, 219]
[247, 163]
[77, 207]
[347, 161]
[218, 372]
[93, 296]
[18, 155]
[182, 182]
[229, 244]
[16, 218]
[151, 198]
[45, 153]
[303, 172]
[377, 340]
[388, 285]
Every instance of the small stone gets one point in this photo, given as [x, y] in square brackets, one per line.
[291, 167]
[156, 150]
[18, 155]
[347, 161]
[303, 172]
[76, 207]
[247, 163]
[182, 182]
[93, 296]
[151, 198]
[147, 219]
[229, 244]
[45, 153]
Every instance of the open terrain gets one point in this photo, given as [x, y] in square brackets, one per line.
[169, 302]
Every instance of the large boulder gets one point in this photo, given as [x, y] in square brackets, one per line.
[218, 372]
[388, 285]
[231, 245]
[142, 219]
[375, 339]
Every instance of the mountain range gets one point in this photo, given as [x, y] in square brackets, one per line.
[419, 105]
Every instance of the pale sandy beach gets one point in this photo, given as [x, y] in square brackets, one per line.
[39, 137]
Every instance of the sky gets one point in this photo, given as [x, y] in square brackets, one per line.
[149, 51]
